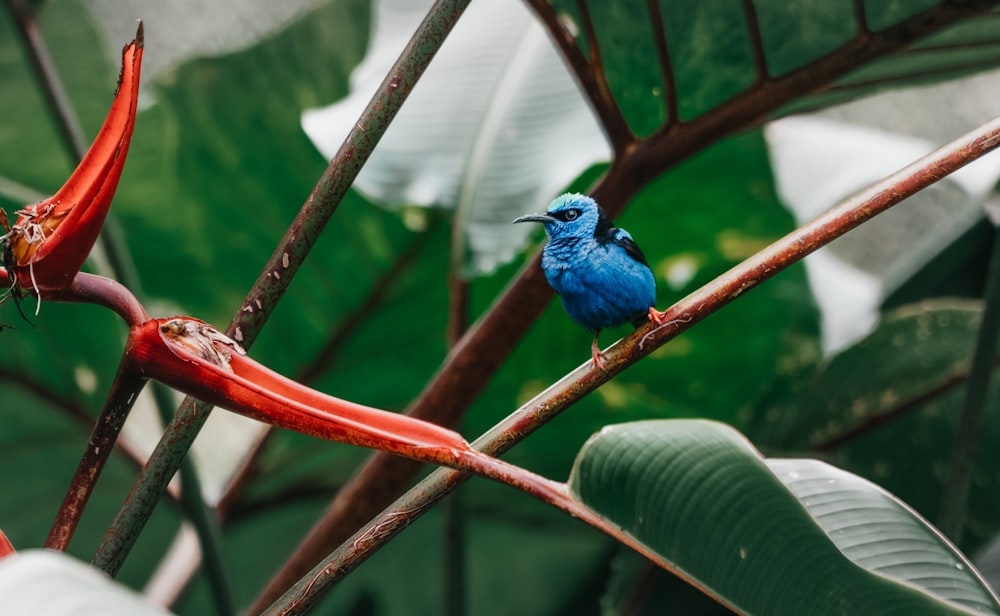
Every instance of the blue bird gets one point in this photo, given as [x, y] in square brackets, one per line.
[597, 269]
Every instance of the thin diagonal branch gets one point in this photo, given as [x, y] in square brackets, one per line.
[124, 390]
[48, 77]
[281, 268]
[324, 358]
[203, 518]
[318, 366]
[678, 318]
[72, 409]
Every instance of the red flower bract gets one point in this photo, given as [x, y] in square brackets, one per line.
[51, 239]
[197, 359]
[6, 549]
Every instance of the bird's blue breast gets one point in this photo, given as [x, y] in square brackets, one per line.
[600, 284]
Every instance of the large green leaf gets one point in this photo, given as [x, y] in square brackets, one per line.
[916, 352]
[886, 409]
[771, 536]
[712, 49]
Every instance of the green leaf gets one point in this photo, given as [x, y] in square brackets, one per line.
[712, 51]
[916, 353]
[771, 537]
[883, 534]
[886, 409]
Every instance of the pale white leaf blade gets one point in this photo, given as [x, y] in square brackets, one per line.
[495, 128]
[54, 584]
[820, 158]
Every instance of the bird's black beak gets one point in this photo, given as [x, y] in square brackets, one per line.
[535, 218]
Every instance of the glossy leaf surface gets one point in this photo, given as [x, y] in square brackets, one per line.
[770, 536]
[886, 409]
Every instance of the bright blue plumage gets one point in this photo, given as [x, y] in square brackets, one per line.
[596, 268]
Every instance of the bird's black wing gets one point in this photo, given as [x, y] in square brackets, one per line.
[605, 232]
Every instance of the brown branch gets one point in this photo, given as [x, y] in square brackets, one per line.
[123, 392]
[860, 18]
[324, 358]
[470, 365]
[670, 97]
[641, 343]
[589, 76]
[756, 43]
[286, 259]
[750, 108]
[75, 411]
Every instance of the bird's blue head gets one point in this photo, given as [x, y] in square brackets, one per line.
[571, 215]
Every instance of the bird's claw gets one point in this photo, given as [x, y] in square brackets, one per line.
[595, 354]
[656, 316]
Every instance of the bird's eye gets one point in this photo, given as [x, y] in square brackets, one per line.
[571, 214]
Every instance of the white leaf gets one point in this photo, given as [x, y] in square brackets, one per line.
[494, 129]
[179, 30]
[50, 583]
[820, 159]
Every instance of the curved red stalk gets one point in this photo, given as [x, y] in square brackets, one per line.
[71, 220]
[197, 359]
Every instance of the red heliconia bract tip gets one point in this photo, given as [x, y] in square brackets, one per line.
[6, 549]
[197, 359]
[51, 239]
